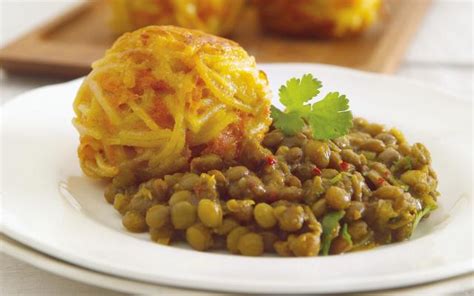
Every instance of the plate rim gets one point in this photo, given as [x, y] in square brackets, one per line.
[91, 277]
[84, 275]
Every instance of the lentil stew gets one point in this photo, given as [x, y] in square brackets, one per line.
[289, 195]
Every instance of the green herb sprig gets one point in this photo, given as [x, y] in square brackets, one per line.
[328, 118]
[331, 227]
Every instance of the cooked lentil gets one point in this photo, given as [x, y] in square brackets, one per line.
[251, 244]
[199, 237]
[274, 197]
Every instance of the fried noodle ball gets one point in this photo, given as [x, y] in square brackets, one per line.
[212, 16]
[319, 18]
[162, 94]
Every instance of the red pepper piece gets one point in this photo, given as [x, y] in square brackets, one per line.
[317, 171]
[271, 160]
[344, 166]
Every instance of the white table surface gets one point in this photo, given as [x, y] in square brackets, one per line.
[441, 55]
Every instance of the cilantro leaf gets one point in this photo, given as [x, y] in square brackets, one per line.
[296, 92]
[330, 225]
[402, 165]
[330, 118]
[346, 235]
[288, 123]
[420, 216]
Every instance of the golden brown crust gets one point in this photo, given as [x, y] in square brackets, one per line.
[163, 92]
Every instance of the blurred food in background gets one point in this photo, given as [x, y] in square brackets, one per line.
[319, 18]
[54, 48]
[213, 16]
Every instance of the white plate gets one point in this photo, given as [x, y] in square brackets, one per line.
[49, 205]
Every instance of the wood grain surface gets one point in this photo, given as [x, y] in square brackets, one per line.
[68, 45]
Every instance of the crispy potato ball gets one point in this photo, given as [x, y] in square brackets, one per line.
[212, 16]
[162, 94]
[319, 18]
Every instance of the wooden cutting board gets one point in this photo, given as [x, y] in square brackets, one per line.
[68, 45]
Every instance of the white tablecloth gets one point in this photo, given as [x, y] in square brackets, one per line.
[441, 55]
